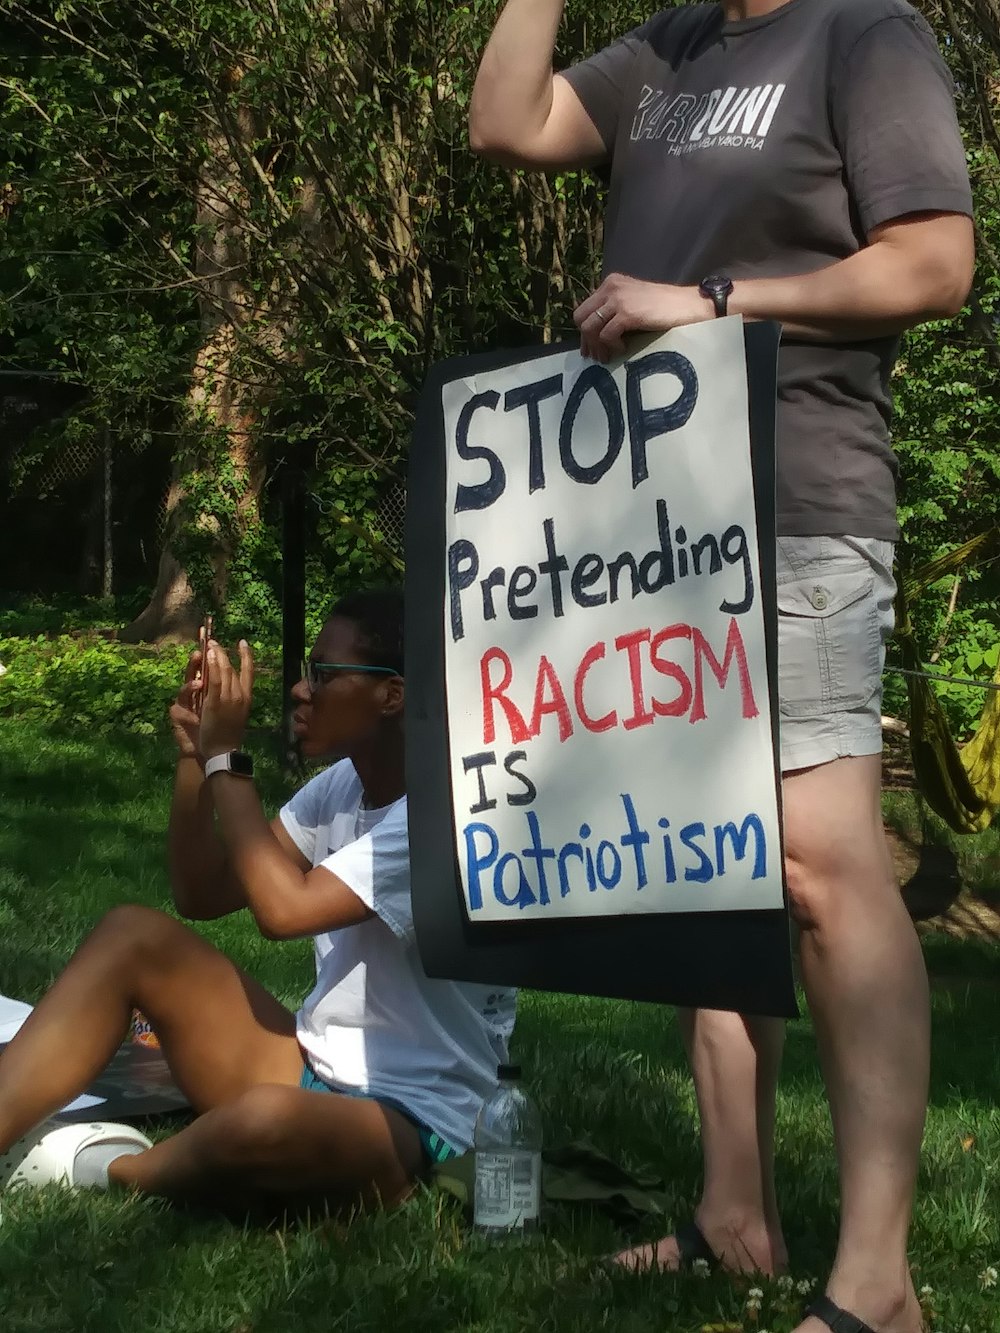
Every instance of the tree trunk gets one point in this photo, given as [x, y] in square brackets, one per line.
[223, 401]
[172, 614]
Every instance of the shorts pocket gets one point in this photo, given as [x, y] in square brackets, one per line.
[829, 644]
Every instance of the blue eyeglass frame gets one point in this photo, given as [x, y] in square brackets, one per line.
[313, 671]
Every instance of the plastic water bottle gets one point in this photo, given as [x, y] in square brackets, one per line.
[508, 1147]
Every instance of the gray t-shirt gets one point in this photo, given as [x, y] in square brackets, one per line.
[771, 147]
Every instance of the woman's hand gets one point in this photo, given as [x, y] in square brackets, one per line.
[184, 719]
[623, 305]
[227, 697]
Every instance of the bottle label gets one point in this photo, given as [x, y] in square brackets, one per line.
[508, 1189]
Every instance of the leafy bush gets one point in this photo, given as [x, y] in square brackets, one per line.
[104, 686]
[25, 615]
[968, 659]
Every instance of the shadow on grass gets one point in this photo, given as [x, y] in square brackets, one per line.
[80, 785]
[26, 973]
[113, 1267]
[81, 843]
[935, 883]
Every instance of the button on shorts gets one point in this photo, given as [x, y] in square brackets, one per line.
[835, 617]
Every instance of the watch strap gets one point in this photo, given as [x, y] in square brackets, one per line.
[717, 288]
[233, 761]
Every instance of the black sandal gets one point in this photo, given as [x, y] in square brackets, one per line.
[840, 1321]
[693, 1247]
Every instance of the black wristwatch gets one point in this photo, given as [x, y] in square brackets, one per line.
[717, 289]
[235, 762]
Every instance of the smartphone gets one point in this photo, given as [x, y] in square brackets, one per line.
[204, 635]
[206, 632]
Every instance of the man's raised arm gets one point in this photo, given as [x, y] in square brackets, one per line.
[522, 113]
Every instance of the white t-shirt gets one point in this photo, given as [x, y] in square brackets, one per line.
[375, 1022]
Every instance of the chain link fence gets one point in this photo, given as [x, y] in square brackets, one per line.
[392, 517]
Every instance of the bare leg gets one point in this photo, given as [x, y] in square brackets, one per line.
[232, 1049]
[867, 989]
[736, 1076]
[221, 1031]
[281, 1144]
[735, 1062]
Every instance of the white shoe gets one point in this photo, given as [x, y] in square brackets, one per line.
[47, 1155]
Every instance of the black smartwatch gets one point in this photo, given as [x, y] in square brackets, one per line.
[235, 762]
[717, 289]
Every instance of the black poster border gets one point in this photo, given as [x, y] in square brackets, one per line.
[721, 960]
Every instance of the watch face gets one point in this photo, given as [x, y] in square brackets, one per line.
[241, 764]
[717, 286]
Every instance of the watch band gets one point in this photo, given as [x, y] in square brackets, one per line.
[233, 761]
[717, 288]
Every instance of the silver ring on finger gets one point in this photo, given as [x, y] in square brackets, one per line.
[600, 313]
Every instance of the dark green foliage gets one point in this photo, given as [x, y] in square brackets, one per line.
[93, 686]
[249, 230]
[947, 430]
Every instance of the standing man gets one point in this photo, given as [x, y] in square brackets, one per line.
[798, 162]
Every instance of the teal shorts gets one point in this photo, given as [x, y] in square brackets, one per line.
[434, 1146]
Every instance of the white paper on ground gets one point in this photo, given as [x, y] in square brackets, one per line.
[83, 1103]
[12, 1015]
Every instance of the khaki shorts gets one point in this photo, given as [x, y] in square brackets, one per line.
[835, 616]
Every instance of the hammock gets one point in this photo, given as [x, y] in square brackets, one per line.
[961, 784]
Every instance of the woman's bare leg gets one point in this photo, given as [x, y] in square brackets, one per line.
[735, 1061]
[279, 1144]
[221, 1032]
[231, 1048]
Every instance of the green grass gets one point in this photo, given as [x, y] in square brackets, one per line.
[81, 828]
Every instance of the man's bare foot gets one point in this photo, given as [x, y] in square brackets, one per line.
[883, 1310]
[747, 1248]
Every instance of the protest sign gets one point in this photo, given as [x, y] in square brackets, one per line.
[590, 711]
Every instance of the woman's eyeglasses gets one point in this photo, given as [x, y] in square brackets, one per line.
[318, 673]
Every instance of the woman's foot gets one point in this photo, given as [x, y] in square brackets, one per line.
[738, 1246]
[78, 1155]
[886, 1307]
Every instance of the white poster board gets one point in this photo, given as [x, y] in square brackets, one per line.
[610, 736]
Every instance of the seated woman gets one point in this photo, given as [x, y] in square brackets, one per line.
[381, 1070]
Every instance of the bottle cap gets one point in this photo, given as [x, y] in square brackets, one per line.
[509, 1072]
